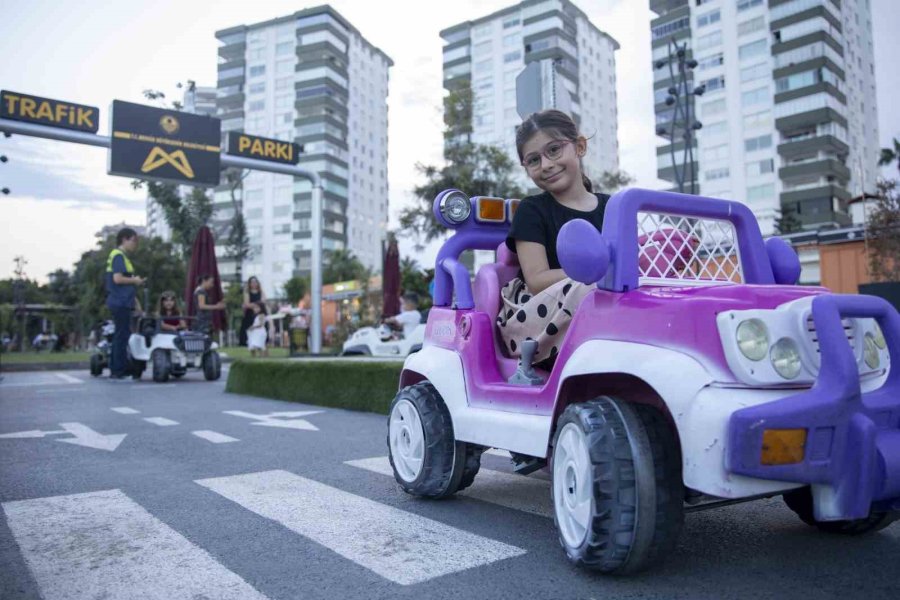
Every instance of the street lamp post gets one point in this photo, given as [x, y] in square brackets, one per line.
[680, 98]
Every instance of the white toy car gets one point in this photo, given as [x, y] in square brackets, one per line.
[382, 342]
[172, 354]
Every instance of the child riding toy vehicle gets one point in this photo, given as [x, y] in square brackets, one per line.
[696, 374]
[100, 357]
[173, 353]
[383, 342]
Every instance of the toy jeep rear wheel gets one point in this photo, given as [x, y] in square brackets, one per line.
[212, 365]
[616, 486]
[162, 365]
[96, 365]
[426, 458]
[801, 502]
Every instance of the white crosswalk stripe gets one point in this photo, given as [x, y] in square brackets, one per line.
[124, 410]
[105, 545]
[214, 436]
[161, 421]
[518, 492]
[400, 546]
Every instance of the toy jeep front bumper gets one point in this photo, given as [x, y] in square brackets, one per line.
[851, 454]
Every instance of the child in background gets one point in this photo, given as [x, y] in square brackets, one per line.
[256, 333]
[168, 312]
[410, 317]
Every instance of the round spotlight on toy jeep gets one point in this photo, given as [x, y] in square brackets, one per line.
[870, 354]
[753, 339]
[453, 208]
[785, 357]
[878, 337]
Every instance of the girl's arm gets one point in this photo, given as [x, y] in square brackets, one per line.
[247, 305]
[202, 305]
[535, 268]
[166, 327]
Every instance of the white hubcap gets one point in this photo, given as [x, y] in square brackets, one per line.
[572, 485]
[407, 440]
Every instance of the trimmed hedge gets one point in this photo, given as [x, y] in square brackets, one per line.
[354, 385]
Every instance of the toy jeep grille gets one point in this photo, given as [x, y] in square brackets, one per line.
[194, 345]
[849, 331]
[678, 250]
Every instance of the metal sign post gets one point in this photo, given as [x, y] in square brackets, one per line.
[102, 141]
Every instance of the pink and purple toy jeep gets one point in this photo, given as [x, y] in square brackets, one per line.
[697, 374]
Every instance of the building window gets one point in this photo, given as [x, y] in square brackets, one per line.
[709, 40]
[512, 40]
[719, 152]
[284, 67]
[710, 62]
[281, 228]
[667, 29]
[283, 48]
[752, 49]
[752, 25]
[283, 83]
[760, 192]
[757, 96]
[258, 88]
[509, 23]
[747, 4]
[284, 101]
[713, 16]
[718, 128]
[760, 167]
[257, 105]
[758, 143]
[755, 72]
[257, 70]
[713, 174]
[512, 56]
[714, 84]
[758, 119]
[713, 108]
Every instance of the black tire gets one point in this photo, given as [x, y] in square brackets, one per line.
[178, 375]
[212, 365]
[801, 502]
[137, 369]
[162, 365]
[636, 510]
[448, 465]
[96, 365]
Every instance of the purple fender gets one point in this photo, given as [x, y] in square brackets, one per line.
[853, 438]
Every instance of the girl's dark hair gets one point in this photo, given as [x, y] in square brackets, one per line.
[160, 310]
[251, 280]
[556, 124]
[203, 278]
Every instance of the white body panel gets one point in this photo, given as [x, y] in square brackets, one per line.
[137, 345]
[369, 338]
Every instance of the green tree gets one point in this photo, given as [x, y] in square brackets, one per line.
[33, 292]
[474, 168]
[889, 155]
[237, 244]
[415, 279]
[61, 288]
[296, 288]
[611, 182]
[787, 222]
[883, 231]
[154, 259]
[184, 215]
[342, 265]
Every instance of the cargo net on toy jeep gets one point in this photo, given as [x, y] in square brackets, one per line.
[678, 250]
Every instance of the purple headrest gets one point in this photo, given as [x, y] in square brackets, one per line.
[506, 257]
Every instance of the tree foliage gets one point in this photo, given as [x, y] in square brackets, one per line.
[883, 231]
[611, 182]
[296, 288]
[889, 155]
[342, 265]
[184, 215]
[474, 168]
[415, 279]
[787, 222]
[237, 242]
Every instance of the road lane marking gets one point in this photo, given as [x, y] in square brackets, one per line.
[402, 547]
[124, 410]
[214, 436]
[68, 378]
[285, 419]
[104, 544]
[505, 489]
[161, 421]
[82, 436]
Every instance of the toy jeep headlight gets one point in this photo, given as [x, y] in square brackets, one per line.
[753, 339]
[878, 337]
[870, 350]
[455, 207]
[785, 357]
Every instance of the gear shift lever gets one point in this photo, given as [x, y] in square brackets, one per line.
[525, 374]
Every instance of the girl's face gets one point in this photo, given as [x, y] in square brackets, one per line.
[207, 284]
[554, 175]
[168, 303]
[254, 284]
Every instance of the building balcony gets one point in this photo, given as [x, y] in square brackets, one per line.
[810, 118]
[662, 7]
[813, 145]
[231, 102]
[822, 168]
[233, 51]
[822, 191]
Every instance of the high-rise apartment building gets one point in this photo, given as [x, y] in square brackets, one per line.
[198, 101]
[487, 54]
[312, 78]
[789, 120]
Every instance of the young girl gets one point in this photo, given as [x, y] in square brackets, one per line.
[540, 302]
[202, 305]
[256, 333]
[168, 312]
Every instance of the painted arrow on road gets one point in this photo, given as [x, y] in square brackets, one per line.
[84, 436]
[285, 419]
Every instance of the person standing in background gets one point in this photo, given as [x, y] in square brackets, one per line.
[253, 294]
[121, 288]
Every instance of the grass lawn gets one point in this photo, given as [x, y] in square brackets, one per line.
[18, 358]
[236, 352]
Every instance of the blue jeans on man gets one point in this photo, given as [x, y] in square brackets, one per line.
[118, 357]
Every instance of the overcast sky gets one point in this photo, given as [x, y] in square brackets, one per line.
[93, 51]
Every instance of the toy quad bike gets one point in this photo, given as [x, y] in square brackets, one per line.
[172, 354]
[100, 358]
[696, 374]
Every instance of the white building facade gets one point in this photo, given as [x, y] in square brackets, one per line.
[789, 120]
[488, 53]
[312, 78]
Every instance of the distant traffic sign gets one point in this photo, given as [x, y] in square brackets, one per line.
[251, 146]
[56, 113]
[155, 143]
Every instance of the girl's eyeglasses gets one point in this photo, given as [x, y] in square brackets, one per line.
[551, 151]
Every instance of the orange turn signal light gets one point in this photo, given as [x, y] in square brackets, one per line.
[492, 210]
[513, 207]
[783, 446]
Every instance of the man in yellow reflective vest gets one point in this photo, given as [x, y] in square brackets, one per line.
[121, 283]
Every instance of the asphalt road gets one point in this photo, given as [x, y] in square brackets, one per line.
[141, 490]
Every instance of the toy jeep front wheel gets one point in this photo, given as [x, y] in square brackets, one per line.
[162, 365]
[426, 458]
[97, 362]
[616, 488]
[801, 502]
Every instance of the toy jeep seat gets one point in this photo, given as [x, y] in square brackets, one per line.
[490, 280]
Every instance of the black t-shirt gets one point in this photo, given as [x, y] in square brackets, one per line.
[539, 219]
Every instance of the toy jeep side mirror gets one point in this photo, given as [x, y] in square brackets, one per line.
[583, 252]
